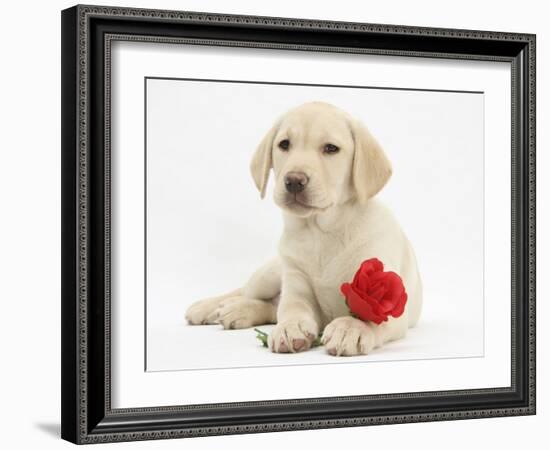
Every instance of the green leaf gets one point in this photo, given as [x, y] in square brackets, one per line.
[262, 336]
[317, 341]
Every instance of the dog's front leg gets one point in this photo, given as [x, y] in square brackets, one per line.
[348, 336]
[298, 315]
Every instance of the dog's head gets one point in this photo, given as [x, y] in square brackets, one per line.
[321, 157]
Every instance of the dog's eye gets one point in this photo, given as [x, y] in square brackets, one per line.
[284, 144]
[330, 148]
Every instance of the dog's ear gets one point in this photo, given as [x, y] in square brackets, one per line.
[371, 167]
[262, 161]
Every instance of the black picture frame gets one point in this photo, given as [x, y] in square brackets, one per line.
[87, 416]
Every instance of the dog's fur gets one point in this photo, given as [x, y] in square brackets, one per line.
[329, 229]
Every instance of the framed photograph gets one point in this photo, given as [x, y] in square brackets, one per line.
[280, 224]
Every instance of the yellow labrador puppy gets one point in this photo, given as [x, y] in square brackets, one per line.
[327, 167]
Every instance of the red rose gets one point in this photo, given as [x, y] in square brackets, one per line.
[374, 294]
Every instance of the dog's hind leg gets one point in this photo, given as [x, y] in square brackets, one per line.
[254, 304]
[244, 312]
[265, 283]
[200, 312]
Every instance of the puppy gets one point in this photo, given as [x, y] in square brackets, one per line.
[327, 168]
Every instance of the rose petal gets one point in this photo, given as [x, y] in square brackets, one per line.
[377, 292]
[371, 265]
[360, 306]
[345, 288]
[377, 277]
[377, 265]
[386, 306]
[357, 275]
[362, 282]
[395, 285]
[400, 307]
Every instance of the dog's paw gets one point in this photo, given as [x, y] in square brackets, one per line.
[293, 336]
[242, 312]
[202, 312]
[348, 336]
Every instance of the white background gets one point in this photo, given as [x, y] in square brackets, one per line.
[31, 224]
[208, 229]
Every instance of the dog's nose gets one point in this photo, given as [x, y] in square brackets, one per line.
[295, 182]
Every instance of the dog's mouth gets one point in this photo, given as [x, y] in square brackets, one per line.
[301, 205]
